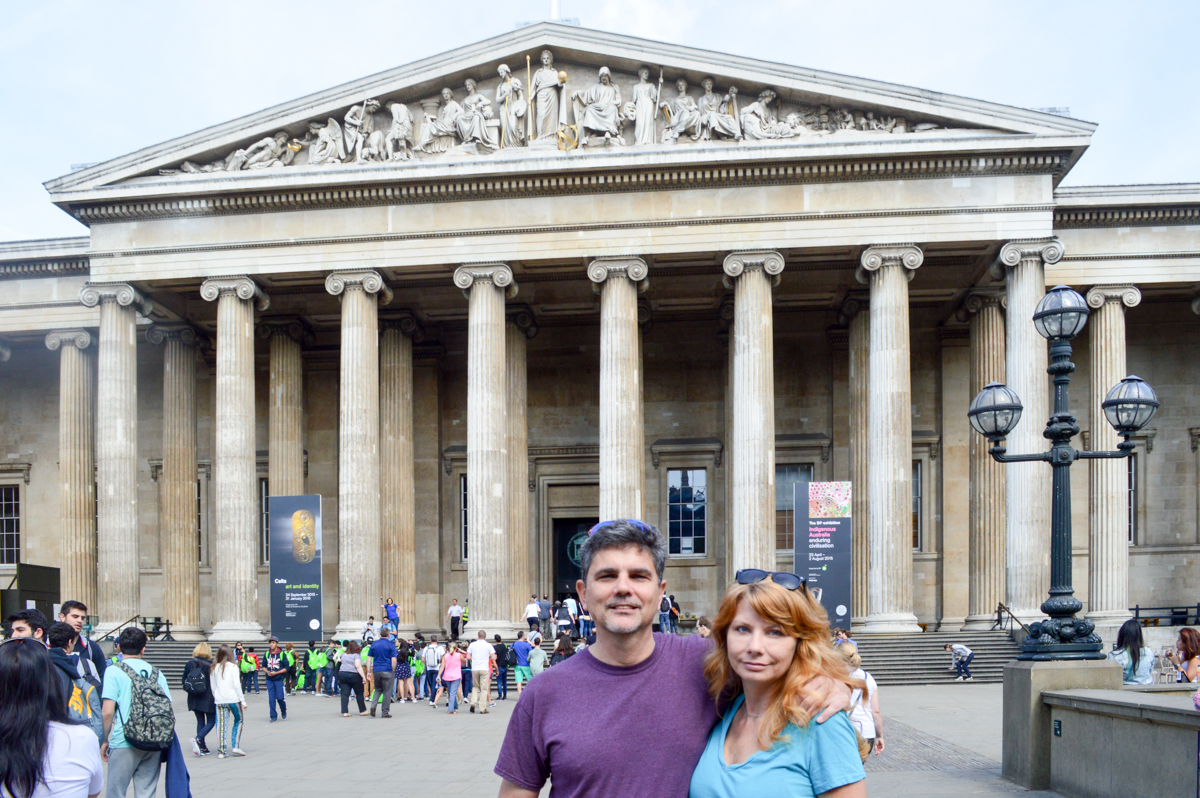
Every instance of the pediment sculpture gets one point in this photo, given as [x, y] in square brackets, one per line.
[540, 113]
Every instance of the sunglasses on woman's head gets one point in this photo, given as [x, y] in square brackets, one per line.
[640, 526]
[748, 576]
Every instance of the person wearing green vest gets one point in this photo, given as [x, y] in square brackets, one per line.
[248, 664]
[466, 616]
[312, 664]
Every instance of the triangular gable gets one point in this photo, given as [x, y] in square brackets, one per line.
[810, 106]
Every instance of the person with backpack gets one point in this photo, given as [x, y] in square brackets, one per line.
[664, 615]
[196, 683]
[563, 649]
[333, 654]
[230, 702]
[404, 673]
[312, 666]
[77, 676]
[432, 657]
[501, 669]
[289, 657]
[139, 723]
[249, 665]
[45, 752]
[418, 669]
[518, 659]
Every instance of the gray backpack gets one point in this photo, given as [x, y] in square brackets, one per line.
[83, 702]
[151, 722]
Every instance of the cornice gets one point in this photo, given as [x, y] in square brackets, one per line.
[1128, 216]
[568, 181]
[45, 268]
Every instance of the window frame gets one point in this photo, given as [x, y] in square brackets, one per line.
[264, 520]
[918, 479]
[708, 538]
[812, 477]
[20, 519]
[463, 529]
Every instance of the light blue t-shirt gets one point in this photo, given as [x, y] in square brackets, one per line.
[807, 762]
[119, 688]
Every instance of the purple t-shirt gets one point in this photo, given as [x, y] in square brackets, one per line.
[598, 730]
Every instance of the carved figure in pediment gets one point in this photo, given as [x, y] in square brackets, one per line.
[718, 115]
[544, 88]
[760, 121]
[327, 144]
[598, 109]
[471, 124]
[400, 136]
[510, 100]
[869, 122]
[437, 135]
[641, 109]
[362, 139]
[271, 151]
[683, 115]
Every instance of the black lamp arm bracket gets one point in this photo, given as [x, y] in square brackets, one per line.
[1124, 449]
[998, 453]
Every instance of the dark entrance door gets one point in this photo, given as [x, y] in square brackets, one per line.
[569, 534]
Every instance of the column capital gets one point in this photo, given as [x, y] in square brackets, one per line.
[405, 321]
[124, 294]
[294, 327]
[241, 286]
[631, 267]
[80, 339]
[767, 260]
[185, 333]
[1048, 250]
[1127, 295]
[876, 256]
[368, 280]
[725, 312]
[522, 317]
[979, 298]
[854, 304]
[498, 274]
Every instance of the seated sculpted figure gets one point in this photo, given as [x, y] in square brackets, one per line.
[759, 120]
[715, 116]
[325, 143]
[471, 124]
[682, 115]
[437, 135]
[599, 110]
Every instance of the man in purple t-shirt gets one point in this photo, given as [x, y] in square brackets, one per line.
[643, 696]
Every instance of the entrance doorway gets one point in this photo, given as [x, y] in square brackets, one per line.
[569, 535]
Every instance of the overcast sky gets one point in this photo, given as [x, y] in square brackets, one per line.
[85, 81]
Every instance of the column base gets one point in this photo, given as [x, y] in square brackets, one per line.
[980, 623]
[352, 630]
[856, 622]
[954, 624]
[896, 623]
[188, 634]
[245, 631]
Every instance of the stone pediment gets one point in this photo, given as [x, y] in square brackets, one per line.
[603, 92]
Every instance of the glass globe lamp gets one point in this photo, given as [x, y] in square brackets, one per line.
[1130, 405]
[1061, 313]
[994, 413]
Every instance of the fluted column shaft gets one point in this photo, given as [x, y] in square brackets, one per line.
[860, 347]
[1108, 560]
[1027, 503]
[178, 531]
[118, 595]
[488, 567]
[752, 470]
[396, 488]
[987, 503]
[285, 423]
[77, 464]
[359, 549]
[889, 445]
[234, 542]
[518, 468]
[622, 487]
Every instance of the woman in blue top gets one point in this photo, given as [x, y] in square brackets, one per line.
[771, 638]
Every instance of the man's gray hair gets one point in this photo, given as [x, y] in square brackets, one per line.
[618, 535]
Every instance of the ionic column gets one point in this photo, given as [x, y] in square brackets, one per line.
[359, 549]
[118, 595]
[234, 542]
[285, 420]
[178, 530]
[622, 487]
[1108, 560]
[857, 314]
[520, 327]
[397, 496]
[987, 508]
[76, 464]
[488, 567]
[1027, 503]
[752, 465]
[889, 439]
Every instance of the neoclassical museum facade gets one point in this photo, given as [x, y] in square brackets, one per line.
[482, 300]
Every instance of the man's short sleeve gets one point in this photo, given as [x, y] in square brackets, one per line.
[522, 759]
[112, 686]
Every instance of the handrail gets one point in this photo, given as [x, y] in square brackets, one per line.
[113, 632]
[1000, 612]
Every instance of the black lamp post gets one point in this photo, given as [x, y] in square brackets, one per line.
[994, 413]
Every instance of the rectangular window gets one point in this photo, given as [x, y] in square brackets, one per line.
[264, 524]
[686, 511]
[199, 525]
[10, 524]
[786, 478]
[462, 515]
[1131, 489]
[916, 508]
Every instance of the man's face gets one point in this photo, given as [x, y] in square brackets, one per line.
[759, 649]
[622, 591]
[23, 629]
[274, 647]
[75, 617]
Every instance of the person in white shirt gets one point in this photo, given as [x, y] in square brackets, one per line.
[45, 755]
[368, 631]
[482, 655]
[532, 612]
[865, 714]
[455, 615]
[960, 660]
[226, 685]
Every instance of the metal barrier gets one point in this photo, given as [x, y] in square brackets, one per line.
[1174, 616]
